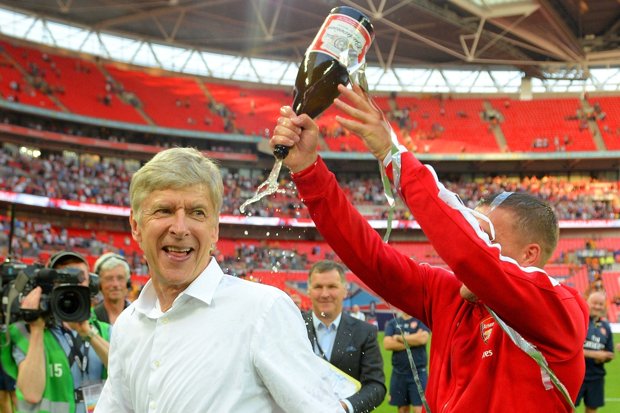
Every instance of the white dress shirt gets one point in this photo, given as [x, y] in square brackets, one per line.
[225, 345]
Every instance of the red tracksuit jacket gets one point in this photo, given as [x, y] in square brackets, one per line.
[474, 366]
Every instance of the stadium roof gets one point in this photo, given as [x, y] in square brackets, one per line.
[560, 39]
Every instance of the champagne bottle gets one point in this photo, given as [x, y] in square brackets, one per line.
[340, 44]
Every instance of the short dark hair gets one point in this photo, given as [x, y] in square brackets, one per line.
[535, 219]
[64, 258]
[327, 265]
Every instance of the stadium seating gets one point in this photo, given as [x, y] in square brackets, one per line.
[78, 84]
[433, 124]
[11, 76]
[611, 282]
[254, 110]
[443, 125]
[169, 101]
[525, 121]
[579, 198]
[610, 125]
[430, 124]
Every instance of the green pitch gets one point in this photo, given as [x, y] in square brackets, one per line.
[612, 383]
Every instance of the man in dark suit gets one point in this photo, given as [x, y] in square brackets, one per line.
[347, 343]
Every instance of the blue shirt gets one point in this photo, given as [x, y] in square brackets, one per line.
[599, 337]
[400, 360]
[325, 336]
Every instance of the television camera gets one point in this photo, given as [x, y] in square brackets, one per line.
[62, 298]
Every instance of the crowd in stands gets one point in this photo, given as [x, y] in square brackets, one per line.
[32, 238]
[100, 182]
[574, 199]
[559, 144]
[247, 258]
[97, 180]
[37, 239]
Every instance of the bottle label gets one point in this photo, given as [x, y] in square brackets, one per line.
[343, 38]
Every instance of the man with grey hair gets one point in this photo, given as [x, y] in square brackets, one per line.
[197, 340]
[114, 281]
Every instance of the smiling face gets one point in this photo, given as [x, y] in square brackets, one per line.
[327, 292]
[177, 230]
[113, 284]
[596, 302]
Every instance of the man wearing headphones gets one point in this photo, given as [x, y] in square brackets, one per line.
[114, 281]
[57, 364]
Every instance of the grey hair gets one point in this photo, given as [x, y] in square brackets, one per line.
[111, 260]
[177, 168]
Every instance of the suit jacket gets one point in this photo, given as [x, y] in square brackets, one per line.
[356, 352]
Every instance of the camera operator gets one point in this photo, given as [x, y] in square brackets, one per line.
[59, 362]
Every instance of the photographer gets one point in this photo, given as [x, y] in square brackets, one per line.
[57, 362]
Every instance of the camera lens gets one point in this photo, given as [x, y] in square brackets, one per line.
[68, 302]
[71, 302]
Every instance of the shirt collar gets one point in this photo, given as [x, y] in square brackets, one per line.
[317, 322]
[202, 288]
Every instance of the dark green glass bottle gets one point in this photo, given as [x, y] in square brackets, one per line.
[345, 30]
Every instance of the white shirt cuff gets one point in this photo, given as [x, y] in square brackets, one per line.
[349, 405]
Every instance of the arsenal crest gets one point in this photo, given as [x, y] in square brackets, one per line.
[486, 328]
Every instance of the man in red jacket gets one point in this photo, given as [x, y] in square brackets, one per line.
[495, 255]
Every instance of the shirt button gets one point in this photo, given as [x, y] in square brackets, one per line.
[156, 364]
[152, 405]
[164, 320]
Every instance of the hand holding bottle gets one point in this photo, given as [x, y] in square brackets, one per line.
[300, 135]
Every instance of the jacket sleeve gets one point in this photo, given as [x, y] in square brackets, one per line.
[388, 272]
[372, 378]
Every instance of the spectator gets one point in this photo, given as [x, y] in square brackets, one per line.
[495, 264]
[403, 390]
[114, 283]
[356, 313]
[197, 340]
[107, 181]
[347, 343]
[57, 363]
[598, 350]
